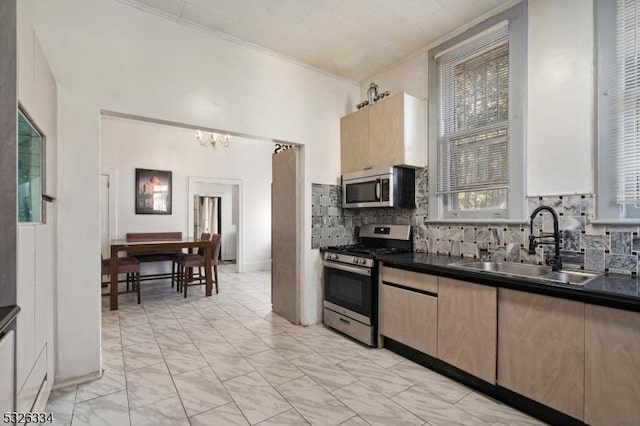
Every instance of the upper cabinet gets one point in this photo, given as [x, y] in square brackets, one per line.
[354, 145]
[387, 133]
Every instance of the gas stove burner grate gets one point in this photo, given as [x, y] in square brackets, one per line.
[369, 251]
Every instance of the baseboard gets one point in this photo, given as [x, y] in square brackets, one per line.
[263, 265]
[59, 384]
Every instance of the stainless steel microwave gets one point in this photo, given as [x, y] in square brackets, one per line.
[388, 187]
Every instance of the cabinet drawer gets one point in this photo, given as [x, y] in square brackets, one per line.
[411, 279]
[349, 326]
[409, 318]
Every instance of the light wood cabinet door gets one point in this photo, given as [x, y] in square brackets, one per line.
[396, 132]
[354, 141]
[386, 132]
[467, 321]
[612, 370]
[408, 317]
[541, 348]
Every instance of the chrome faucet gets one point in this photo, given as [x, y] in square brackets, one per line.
[533, 241]
[483, 251]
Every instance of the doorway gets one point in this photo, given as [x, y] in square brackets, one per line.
[215, 206]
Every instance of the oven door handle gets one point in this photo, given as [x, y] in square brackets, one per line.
[354, 269]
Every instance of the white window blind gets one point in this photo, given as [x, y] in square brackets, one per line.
[627, 103]
[473, 122]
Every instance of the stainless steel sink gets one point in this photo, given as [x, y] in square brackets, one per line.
[543, 273]
[503, 268]
[570, 277]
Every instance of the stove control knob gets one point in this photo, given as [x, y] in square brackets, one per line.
[333, 256]
[355, 260]
[363, 261]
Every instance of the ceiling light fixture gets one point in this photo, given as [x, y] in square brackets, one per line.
[213, 139]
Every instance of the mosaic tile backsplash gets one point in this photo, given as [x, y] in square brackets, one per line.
[333, 226]
[583, 245]
[610, 248]
[328, 224]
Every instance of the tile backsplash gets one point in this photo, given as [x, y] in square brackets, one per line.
[332, 225]
[583, 245]
[610, 248]
[328, 223]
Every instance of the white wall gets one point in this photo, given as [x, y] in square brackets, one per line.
[560, 123]
[129, 144]
[560, 117]
[37, 282]
[408, 75]
[107, 55]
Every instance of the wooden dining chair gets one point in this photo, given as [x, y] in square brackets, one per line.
[175, 266]
[126, 265]
[187, 264]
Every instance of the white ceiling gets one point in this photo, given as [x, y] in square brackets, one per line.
[350, 38]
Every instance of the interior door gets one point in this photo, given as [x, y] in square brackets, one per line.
[285, 234]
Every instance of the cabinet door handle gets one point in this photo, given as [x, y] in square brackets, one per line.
[378, 189]
[344, 320]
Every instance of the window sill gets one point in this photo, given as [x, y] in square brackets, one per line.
[632, 222]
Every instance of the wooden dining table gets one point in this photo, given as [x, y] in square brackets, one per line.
[150, 246]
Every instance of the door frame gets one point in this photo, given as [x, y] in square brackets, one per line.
[240, 234]
[112, 174]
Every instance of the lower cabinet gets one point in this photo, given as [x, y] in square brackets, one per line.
[612, 379]
[467, 327]
[409, 314]
[580, 359]
[541, 349]
[7, 371]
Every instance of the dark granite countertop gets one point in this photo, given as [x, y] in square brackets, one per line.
[7, 314]
[617, 291]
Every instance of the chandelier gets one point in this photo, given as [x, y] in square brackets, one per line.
[213, 139]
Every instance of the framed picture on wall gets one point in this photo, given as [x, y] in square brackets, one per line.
[153, 191]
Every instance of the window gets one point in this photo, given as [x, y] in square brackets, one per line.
[476, 87]
[30, 171]
[618, 101]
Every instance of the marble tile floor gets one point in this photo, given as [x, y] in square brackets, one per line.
[228, 360]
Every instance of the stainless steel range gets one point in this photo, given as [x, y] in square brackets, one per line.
[351, 279]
